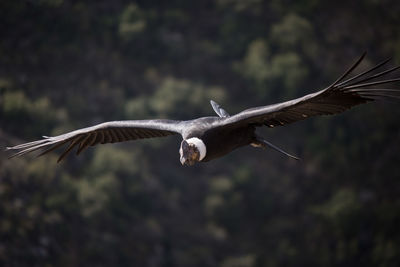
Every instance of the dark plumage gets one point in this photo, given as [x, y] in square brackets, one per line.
[211, 137]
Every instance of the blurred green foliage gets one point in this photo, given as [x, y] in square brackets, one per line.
[66, 64]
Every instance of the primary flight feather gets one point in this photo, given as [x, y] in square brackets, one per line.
[207, 138]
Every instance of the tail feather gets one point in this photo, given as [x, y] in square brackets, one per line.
[264, 143]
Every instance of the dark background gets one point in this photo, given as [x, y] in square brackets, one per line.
[67, 64]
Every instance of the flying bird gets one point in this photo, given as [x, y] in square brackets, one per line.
[207, 138]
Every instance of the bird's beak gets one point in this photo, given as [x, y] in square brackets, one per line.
[183, 160]
[187, 162]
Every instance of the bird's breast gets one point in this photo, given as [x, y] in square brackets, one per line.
[219, 142]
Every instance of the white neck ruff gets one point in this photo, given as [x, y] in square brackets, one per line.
[200, 146]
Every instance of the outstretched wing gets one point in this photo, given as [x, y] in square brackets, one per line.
[108, 132]
[338, 97]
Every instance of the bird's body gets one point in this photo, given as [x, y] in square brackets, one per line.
[207, 138]
[219, 141]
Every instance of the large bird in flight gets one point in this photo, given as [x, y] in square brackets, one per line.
[208, 138]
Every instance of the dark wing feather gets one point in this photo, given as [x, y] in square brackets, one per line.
[108, 132]
[338, 97]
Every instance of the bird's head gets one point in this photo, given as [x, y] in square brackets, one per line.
[191, 151]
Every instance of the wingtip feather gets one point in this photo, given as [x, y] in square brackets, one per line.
[348, 71]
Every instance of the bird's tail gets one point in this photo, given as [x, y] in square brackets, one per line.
[264, 144]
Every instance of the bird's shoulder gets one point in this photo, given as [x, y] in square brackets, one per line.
[199, 126]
